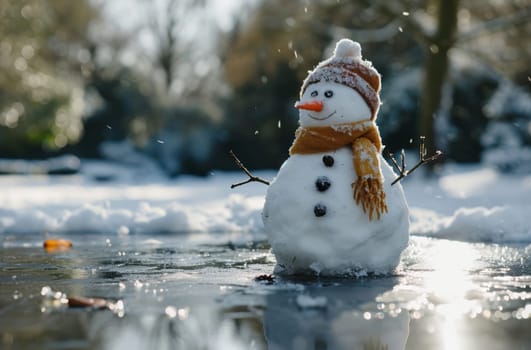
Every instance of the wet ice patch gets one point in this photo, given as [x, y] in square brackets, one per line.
[190, 329]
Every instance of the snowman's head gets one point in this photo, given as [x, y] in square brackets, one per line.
[344, 88]
[327, 103]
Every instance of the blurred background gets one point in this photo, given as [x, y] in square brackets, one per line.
[176, 84]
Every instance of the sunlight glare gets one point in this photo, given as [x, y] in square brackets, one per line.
[450, 279]
[450, 284]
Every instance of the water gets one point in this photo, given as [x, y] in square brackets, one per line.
[194, 292]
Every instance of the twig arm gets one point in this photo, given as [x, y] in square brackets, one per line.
[402, 171]
[391, 156]
[251, 178]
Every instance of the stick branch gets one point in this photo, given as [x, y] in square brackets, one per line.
[423, 159]
[252, 178]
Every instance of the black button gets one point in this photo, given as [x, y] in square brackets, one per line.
[319, 210]
[322, 183]
[328, 161]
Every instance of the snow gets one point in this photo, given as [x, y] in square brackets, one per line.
[342, 242]
[467, 203]
[80, 204]
[472, 203]
[66, 164]
[509, 100]
[349, 128]
[347, 48]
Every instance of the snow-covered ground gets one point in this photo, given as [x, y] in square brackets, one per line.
[470, 203]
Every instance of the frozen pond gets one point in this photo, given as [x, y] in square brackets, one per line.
[197, 292]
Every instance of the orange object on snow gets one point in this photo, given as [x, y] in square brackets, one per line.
[52, 245]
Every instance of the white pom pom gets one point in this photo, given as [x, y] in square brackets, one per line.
[347, 48]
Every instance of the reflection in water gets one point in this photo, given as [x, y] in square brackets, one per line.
[450, 337]
[343, 323]
[440, 302]
[280, 319]
[451, 293]
[349, 331]
[450, 286]
[204, 330]
[372, 314]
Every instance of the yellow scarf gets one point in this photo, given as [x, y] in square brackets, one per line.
[364, 138]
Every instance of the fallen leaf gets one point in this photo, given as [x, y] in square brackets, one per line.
[53, 245]
[96, 303]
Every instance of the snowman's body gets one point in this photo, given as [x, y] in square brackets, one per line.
[312, 220]
[343, 240]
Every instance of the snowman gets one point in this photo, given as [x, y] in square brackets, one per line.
[331, 210]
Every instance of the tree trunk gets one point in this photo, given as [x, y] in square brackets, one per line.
[436, 68]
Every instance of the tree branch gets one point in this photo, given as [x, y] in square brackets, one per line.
[496, 24]
[252, 178]
[384, 33]
[396, 11]
[423, 159]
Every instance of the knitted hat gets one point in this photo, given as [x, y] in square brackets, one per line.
[348, 68]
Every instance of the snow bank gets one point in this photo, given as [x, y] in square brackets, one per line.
[465, 203]
[78, 204]
[240, 214]
[477, 224]
[471, 203]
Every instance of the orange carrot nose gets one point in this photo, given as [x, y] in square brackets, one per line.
[316, 106]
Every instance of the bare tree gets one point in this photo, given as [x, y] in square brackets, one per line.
[441, 34]
[436, 67]
[168, 40]
[168, 25]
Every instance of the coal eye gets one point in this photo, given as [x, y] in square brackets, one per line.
[314, 93]
[329, 93]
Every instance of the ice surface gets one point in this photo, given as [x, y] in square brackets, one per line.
[307, 302]
[178, 292]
